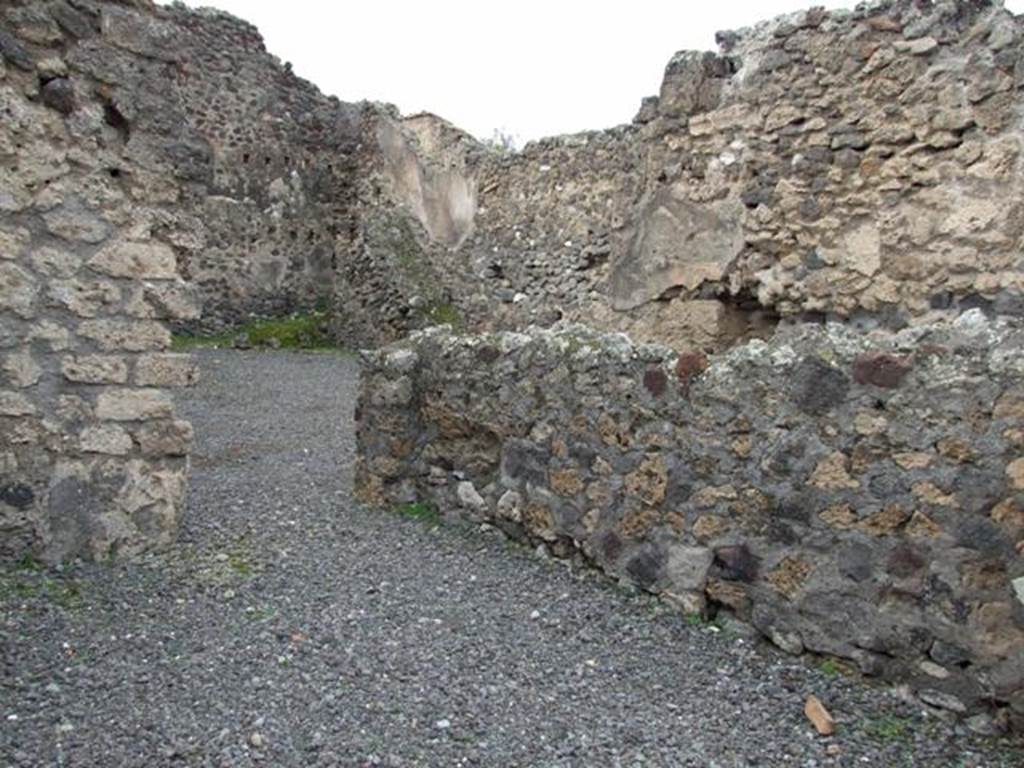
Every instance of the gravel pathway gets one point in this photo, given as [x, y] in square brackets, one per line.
[291, 627]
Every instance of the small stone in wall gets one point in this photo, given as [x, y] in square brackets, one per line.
[539, 520]
[922, 527]
[818, 387]
[166, 370]
[59, 94]
[149, 261]
[789, 575]
[133, 405]
[649, 481]
[912, 460]
[18, 290]
[689, 366]
[737, 563]
[21, 370]
[17, 495]
[165, 438]
[14, 53]
[565, 482]
[1010, 515]
[868, 423]
[885, 521]
[743, 446]
[15, 404]
[929, 493]
[687, 567]
[955, 449]
[839, 516]
[1015, 474]
[708, 527]
[655, 381]
[880, 370]
[711, 495]
[106, 439]
[510, 506]
[637, 523]
[95, 369]
[73, 222]
[831, 474]
[126, 335]
[470, 498]
[1010, 405]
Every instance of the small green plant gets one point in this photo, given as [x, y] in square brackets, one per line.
[239, 564]
[445, 314]
[830, 667]
[420, 511]
[694, 620]
[299, 331]
[888, 728]
[25, 584]
[28, 563]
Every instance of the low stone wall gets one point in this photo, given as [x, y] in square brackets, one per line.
[860, 495]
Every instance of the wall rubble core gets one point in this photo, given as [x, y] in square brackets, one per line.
[859, 495]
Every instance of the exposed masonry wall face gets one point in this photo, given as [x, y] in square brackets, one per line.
[92, 458]
[157, 169]
[862, 165]
[255, 170]
[856, 495]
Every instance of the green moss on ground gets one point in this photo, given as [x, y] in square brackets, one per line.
[299, 331]
[420, 511]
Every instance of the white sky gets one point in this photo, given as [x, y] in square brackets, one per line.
[529, 67]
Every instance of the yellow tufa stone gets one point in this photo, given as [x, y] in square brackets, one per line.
[1010, 515]
[839, 516]
[955, 449]
[565, 482]
[1015, 474]
[636, 523]
[831, 474]
[742, 446]
[912, 460]
[711, 495]
[885, 521]
[539, 520]
[790, 575]
[922, 527]
[649, 481]
[929, 493]
[709, 526]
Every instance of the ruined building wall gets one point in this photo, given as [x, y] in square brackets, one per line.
[862, 165]
[277, 215]
[265, 210]
[850, 494]
[159, 170]
[92, 458]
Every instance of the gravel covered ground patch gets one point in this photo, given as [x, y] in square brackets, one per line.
[291, 627]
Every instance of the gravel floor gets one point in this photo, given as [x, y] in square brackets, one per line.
[290, 627]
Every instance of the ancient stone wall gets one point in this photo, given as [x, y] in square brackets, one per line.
[862, 165]
[860, 495]
[253, 166]
[92, 459]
